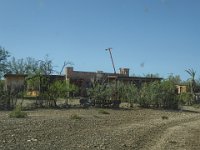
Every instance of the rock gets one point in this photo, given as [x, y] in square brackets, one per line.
[124, 145]
[34, 140]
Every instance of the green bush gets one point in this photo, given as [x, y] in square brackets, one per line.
[18, 113]
[185, 98]
[127, 93]
[105, 94]
[159, 95]
[145, 96]
[4, 97]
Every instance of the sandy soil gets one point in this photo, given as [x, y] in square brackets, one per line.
[121, 129]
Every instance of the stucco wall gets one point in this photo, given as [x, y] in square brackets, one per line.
[181, 89]
[14, 82]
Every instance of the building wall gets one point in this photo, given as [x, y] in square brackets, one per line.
[14, 82]
[71, 74]
[84, 79]
[181, 89]
[82, 75]
[124, 71]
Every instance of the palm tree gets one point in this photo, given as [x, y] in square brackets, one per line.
[192, 74]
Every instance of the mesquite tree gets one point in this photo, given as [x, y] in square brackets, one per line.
[60, 89]
[4, 55]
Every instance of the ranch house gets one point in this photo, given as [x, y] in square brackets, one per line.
[81, 79]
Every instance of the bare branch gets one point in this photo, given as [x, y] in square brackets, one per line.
[66, 63]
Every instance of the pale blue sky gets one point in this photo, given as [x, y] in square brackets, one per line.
[164, 35]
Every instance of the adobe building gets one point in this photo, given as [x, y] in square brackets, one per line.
[81, 79]
[88, 77]
[14, 81]
[17, 82]
[181, 89]
[84, 80]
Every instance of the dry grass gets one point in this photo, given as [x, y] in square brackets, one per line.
[101, 111]
[75, 117]
[17, 113]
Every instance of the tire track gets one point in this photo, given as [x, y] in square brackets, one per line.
[153, 134]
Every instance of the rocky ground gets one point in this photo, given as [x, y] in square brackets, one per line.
[91, 129]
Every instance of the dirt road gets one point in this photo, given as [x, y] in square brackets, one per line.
[120, 129]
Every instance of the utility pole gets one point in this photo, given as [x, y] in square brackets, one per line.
[109, 49]
[115, 93]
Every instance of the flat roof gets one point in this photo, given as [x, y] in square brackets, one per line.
[25, 75]
[135, 78]
[14, 75]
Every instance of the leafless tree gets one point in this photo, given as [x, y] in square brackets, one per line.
[66, 63]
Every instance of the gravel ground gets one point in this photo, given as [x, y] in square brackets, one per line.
[88, 129]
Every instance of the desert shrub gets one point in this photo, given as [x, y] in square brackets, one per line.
[75, 117]
[127, 93]
[102, 94]
[159, 94]
[132, 94]
[165, 117]
[3, 100]
[154, 94]
[185, 98]
[60, 89]
[3, 96]
[122, 91]
[18, 113]
[169, 97]
[8, 100]
[145, 96]
[101, 111]
[50, 90]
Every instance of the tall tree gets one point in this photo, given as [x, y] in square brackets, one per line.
[32, 65]
[46, 66]
[16, 66]
[60, 89]
[65, 64]
[176, 79]
[23, 66]
[3, 61]
[192, 74]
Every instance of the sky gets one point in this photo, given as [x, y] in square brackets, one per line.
[147, 36]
